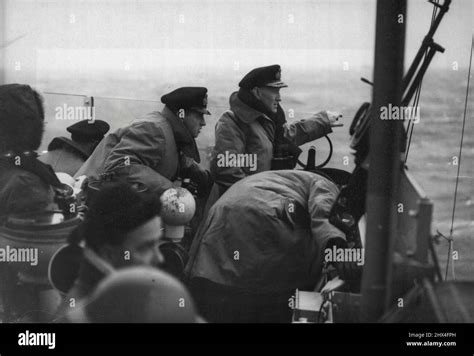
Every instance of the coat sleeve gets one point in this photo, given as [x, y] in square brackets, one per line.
[307, 130]
[229, 138]
[322, 195]
[139, 150]
[139, 173]
[142, 143]
[199, 175]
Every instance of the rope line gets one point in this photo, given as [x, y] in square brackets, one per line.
[451, 240]
[103, 97]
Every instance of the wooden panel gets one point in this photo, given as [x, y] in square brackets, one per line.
[414, 222]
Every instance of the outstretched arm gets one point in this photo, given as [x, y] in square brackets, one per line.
[312, 128]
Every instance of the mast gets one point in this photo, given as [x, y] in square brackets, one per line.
[384, 158]
[3, 29]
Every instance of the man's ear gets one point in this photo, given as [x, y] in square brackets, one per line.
[181, 113]
[256, 92]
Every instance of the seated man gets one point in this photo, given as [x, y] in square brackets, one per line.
[158, 149]
[68, 155]
[137, 295]
[122, 228]
[28, 189]
[264, 238]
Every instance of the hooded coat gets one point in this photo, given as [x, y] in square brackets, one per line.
[67, 156]
[26, 185]
[266, 234]
[148, 151]
[245, 130]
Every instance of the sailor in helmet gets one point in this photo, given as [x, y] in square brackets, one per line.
[137, 295]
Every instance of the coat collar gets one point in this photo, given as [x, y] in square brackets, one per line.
[244, 112]
[83, 149]
[30, 163]
[184, 140]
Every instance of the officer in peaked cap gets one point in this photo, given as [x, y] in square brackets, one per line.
[159, 148]
[187, 98]
[68, 155]
[263, 77]
[256, 125]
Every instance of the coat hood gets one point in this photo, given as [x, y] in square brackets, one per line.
[83, 149]
[244, 112]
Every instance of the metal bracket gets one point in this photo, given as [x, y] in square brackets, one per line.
[89, 103]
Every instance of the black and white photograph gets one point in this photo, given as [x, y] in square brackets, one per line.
[271, 163]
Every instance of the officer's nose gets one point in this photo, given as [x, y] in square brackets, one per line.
[278, 98]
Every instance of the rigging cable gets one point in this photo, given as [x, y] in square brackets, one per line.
[411, 122]
[458, 171]
[103, 97]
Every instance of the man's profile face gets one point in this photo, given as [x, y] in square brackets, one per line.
[141, 246]
[194, 121]
[269, 96]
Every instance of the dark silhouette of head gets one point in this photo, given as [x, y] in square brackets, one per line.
[21, 118]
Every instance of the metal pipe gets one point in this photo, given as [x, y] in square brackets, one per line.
[443, 9]
[421, 73]
[384, 158]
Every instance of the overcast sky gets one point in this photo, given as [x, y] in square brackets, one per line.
[75, 37]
